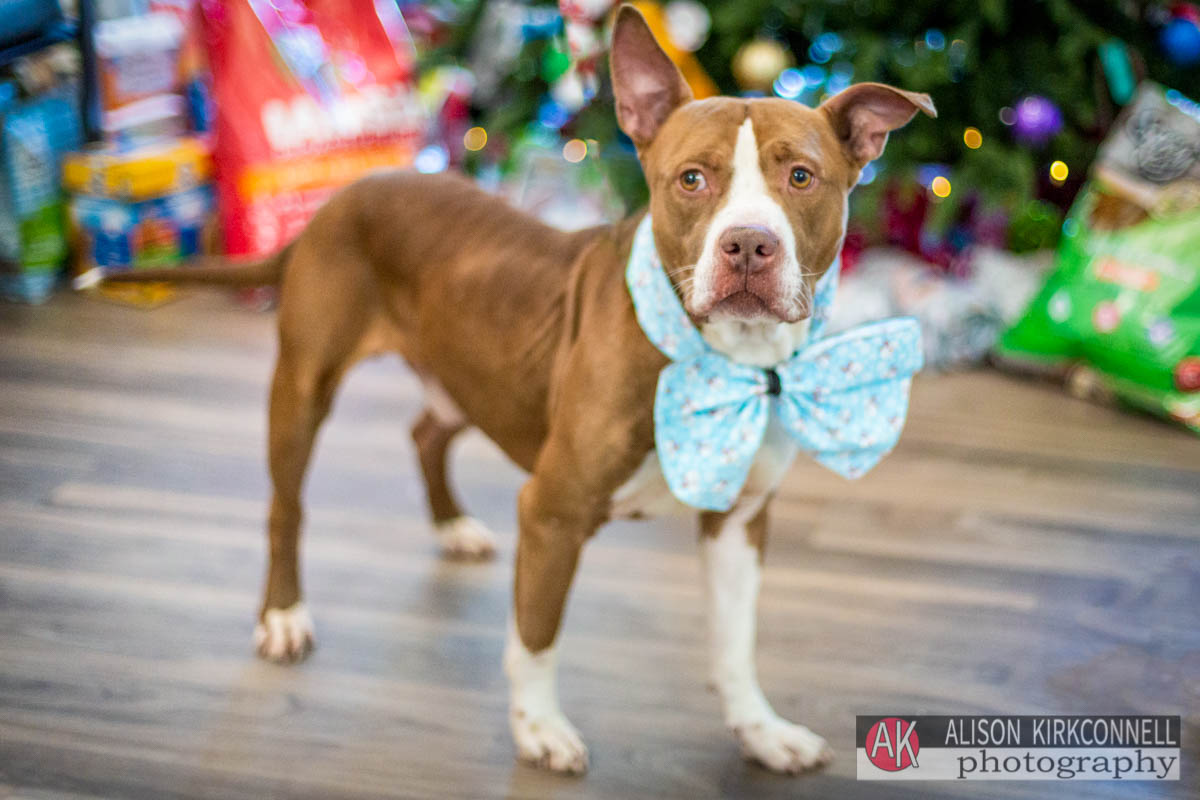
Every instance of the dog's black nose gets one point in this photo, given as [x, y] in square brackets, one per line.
[750, 248]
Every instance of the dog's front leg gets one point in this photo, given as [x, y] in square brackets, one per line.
[731, 550]
[554, 524]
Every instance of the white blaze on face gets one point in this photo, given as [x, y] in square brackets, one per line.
[748, 202]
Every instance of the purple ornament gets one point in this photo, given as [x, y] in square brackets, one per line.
[1037, 120]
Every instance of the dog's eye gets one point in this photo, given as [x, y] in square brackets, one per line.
[801, 178]
[692, 180]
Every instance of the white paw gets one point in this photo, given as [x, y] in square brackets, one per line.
[549, 741]
[782, 746]
[465, 537]
[285, 635]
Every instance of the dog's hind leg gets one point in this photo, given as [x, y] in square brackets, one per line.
[299, 403]
[324, 327]
[459, 535]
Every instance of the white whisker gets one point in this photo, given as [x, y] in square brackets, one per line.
[671, 273]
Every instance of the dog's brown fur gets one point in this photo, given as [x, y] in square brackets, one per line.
[490, 303]
[491, 309]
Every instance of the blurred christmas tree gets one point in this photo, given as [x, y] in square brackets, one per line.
[1025, 89]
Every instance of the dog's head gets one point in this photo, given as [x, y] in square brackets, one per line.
[748, 196]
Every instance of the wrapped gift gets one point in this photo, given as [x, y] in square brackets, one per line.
[1119, 318]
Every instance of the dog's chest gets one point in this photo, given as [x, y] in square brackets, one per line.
[646, 493]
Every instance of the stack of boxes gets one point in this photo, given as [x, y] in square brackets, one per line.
[148, 205]
[140, 198]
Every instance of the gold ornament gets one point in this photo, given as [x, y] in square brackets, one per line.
[758, 63]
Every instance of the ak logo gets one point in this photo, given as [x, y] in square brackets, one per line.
[892, 744]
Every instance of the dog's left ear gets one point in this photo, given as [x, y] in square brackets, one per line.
[865, 113]
[646, 83]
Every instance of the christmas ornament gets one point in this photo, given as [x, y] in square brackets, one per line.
[688, 24]
[582, 19]
[593, 10]
[572, 90]
[1180, 40]
[758, 62]
[1188, 11]
[555, 64]
[1037, 120]
[583, 40]
[1118, 70]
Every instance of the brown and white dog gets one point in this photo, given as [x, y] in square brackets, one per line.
[529, 334]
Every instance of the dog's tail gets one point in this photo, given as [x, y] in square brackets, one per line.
[204, 269]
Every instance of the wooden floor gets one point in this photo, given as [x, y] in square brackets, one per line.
[1021, 552]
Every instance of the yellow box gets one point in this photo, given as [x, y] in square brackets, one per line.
[150, 170]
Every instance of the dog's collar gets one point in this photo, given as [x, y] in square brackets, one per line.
[662, 316]
[842, 398]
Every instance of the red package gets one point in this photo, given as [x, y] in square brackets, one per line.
[309, 95]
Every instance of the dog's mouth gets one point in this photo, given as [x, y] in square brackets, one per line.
[746, 304]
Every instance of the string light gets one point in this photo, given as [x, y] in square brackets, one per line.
[433, 158]
[972, 138]
[940, 186]
[475, 139]
[575, 150]
[1058, 172]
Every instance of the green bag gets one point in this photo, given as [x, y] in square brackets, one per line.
[1119, 317]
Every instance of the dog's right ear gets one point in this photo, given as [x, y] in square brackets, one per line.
[647, 85]
[865, 113]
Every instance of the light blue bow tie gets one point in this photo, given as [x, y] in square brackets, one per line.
[842, 398]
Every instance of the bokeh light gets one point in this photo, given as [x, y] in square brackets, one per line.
[790, 83]
[433, 158]
[475, 139]
[575, 150]
[972, 138]
[1059, 172]
[868, 174]
[940, 186]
